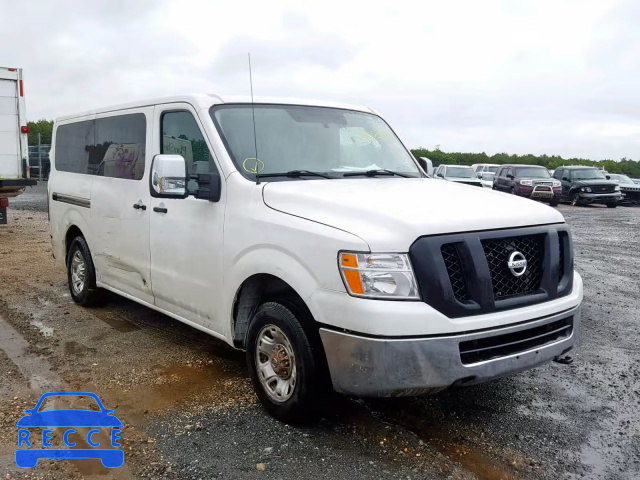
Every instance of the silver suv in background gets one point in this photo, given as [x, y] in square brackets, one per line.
[459, 174]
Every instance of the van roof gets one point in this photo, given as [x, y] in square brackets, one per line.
[202, 100]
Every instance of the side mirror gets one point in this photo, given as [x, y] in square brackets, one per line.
[479, 175]
[423, 164]
[209, 186]
[608, 177]
[168, 176]
[566, 179]
[510, 176]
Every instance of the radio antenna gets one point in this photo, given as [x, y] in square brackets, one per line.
[253, 115]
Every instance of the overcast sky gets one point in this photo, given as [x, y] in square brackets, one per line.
[516, 76]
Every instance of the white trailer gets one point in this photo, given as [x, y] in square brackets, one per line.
[14, 161]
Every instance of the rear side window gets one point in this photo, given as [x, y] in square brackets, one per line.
[107, 147]
[119, 147]
[73, 142]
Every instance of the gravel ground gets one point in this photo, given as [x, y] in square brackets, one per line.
[189, 410]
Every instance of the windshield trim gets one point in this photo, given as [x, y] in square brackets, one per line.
[252, 176]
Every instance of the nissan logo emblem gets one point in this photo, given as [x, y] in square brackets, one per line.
[517, 264]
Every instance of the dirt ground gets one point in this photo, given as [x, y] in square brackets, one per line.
[189, 411]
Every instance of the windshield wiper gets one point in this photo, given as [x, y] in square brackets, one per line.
[294, 174]
[373, 173]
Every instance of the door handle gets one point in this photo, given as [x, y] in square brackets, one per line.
[160, 209]
[137, 206]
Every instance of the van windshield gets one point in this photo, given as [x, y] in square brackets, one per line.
[304, 138]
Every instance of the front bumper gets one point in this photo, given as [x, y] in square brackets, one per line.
[600, 197]
[387, 367]
[539, 192]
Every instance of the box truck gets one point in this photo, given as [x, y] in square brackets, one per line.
[14, 164]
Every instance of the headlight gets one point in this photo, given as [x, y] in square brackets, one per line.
[617, 188]
[585, 189]
[526, 182]
[556, 183]
[378, 275]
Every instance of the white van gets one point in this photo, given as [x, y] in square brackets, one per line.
[312, 245]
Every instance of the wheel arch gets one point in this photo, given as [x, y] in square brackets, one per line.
[72, 232]
[256, 290]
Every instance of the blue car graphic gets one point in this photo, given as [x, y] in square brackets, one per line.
[70, 418]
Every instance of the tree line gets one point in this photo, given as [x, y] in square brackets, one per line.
[437, 156]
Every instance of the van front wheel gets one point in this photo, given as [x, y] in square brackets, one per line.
[283, 369]
[81, 275]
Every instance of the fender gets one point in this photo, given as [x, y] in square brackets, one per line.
[271, 260]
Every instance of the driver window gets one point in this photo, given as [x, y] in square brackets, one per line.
[181, 135]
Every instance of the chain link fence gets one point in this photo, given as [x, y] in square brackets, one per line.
[39, 161]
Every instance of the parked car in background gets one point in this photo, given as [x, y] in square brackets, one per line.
[636, 180]
[481, 168]
[629, 189]
[487, 179]
[459, 174]
[581, 185]
[531, 181]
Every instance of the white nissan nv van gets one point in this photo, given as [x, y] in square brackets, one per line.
[306, 234]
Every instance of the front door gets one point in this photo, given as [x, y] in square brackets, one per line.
[187, 233]
[118, 157]
[566, 183]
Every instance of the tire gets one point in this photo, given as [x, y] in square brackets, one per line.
[296, 402]
[512, 191]
[554, 202]
[612, 205]
[575, 200]
[81, 275]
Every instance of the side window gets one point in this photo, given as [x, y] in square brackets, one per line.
[181, 135]
[119, 148]
[557, 174]
[110, 147]
[73, 142]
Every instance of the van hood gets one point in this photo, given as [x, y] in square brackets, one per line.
[391, 213]
[595, 183]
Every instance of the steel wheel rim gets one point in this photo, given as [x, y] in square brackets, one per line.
[78, 272]
[275, 363]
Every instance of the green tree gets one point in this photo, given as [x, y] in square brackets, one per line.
[44, 128]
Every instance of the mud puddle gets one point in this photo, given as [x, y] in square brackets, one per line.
[35, 369]
[174, 387]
